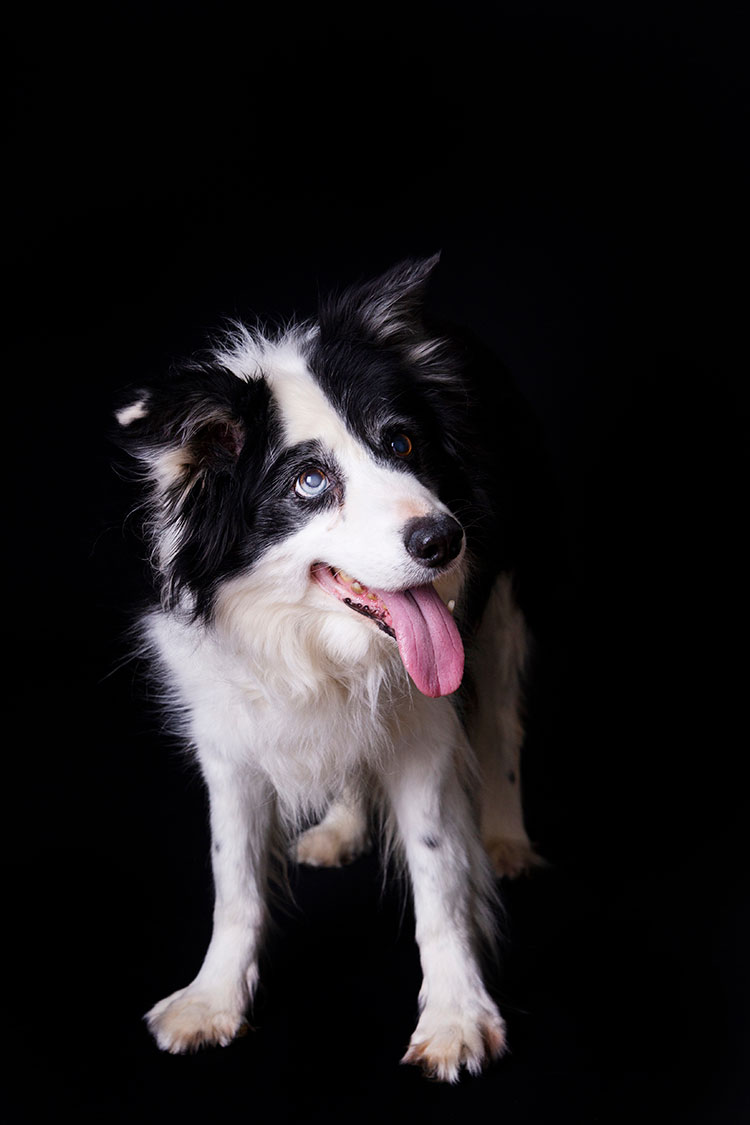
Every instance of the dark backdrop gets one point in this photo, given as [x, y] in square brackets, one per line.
[583, 170]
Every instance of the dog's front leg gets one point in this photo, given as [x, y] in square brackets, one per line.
[459, 1024]
[211, 1009]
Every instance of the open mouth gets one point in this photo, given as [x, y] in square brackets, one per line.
[417, 619]
[354, 594]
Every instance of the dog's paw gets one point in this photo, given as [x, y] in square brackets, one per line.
[512, 857]
[329, 845]
[446, 1041]
[192, 1018]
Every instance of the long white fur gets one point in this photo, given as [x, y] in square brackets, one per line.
[295, 705]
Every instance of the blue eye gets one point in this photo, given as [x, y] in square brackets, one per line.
[311, 483]
[401, 445]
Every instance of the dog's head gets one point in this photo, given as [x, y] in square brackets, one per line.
[322, 470]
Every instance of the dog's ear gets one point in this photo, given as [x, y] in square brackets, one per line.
[188, 427]
[387, 309]
[193, 439]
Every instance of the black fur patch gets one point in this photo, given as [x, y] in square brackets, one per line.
[233, 495]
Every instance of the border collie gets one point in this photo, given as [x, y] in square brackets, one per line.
[330, 522]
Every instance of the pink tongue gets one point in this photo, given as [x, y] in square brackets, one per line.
[428, 639]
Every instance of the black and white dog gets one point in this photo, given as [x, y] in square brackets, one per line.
[331, 529]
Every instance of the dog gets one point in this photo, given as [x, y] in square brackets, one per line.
[329, 513]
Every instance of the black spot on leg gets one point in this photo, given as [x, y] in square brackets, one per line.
[431, 842]
[217, 847]
[511, 777]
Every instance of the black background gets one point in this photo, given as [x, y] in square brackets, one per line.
[583, 169]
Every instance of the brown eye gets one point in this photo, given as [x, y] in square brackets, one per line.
[401, 445]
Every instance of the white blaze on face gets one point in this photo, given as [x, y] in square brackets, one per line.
[365, 535]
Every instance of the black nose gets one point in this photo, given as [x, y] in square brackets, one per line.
[433, 540]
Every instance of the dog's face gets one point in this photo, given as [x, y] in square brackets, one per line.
[317, 471]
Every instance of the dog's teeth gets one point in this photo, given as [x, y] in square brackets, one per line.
[451, 605]
[373, 597]
[356, 586]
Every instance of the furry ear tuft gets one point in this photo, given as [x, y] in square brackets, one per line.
[228, 435]
[387, 309]
[129, 414]
[176, 436]
[213, 442]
